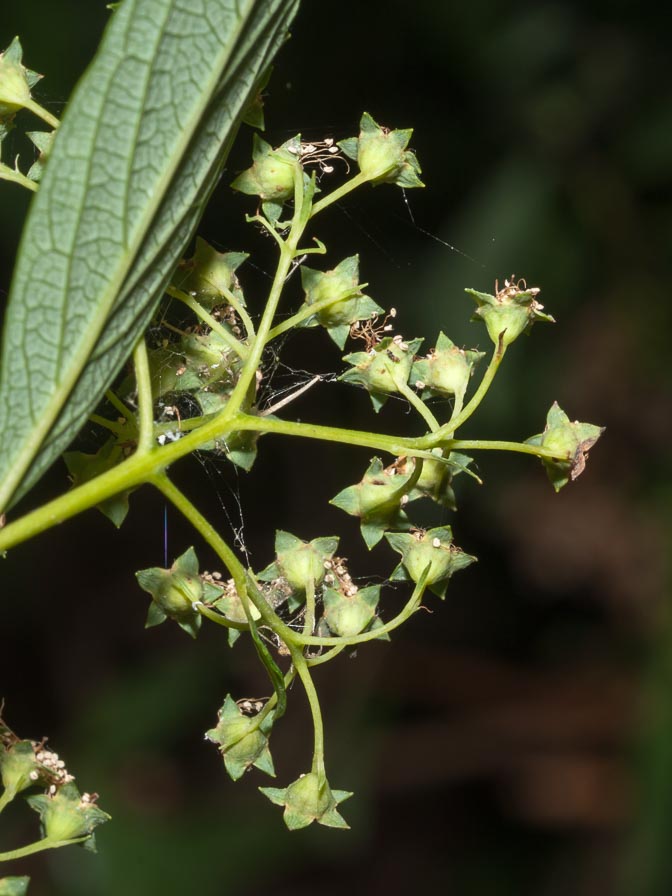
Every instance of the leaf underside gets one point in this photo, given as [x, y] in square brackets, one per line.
[138, 153]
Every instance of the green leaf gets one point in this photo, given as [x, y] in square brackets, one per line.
[139, 151]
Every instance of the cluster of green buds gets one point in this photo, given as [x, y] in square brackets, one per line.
[66, 816]
[304, 608]
[16, 86]
[199, 379]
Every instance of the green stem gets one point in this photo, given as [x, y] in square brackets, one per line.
[119, 405]
[139, 469]
[7, 173]
[38, 846]
[414, 399]
[240, 310]
[143, 382]
[234, 344]
[497, 445]
[309, 614]
[380, 442]
[324, 657]
[301, 666]
[273, 699]
[42, 113]
[117, 428]
[339, 193]
[258, 344]
[216, 617]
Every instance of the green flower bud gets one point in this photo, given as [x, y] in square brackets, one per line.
[382, 156]
[569, 442]
[510, 312]
[436, 476]
[349, 614]
[67, 815]
[210, 274]
[272, 174]
[16, 80]
[379, 497]
[174, 592]
[25, 763]
[299, 562]
[18, 767]
[382, 368]
[307, 800]
[428, 549]
[349, 304]
[242, 740]
[445, 371]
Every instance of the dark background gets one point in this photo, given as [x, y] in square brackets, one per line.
[518, 739]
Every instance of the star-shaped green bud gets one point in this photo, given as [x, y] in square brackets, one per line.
[345, 615]
[382, 368]
[224, 598]
[436, 477]
[84, 467]
[242, 740]
[510, 312]
[379, 497]
[307, 800]
[174, 592]
[68, 815]
[445, 371]
[299, 562]
[342, 289]
[27, 763]
[16, 81]
[430, 549]
[382, 155]
[271, 176]
[570, 443]
[210, 274]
